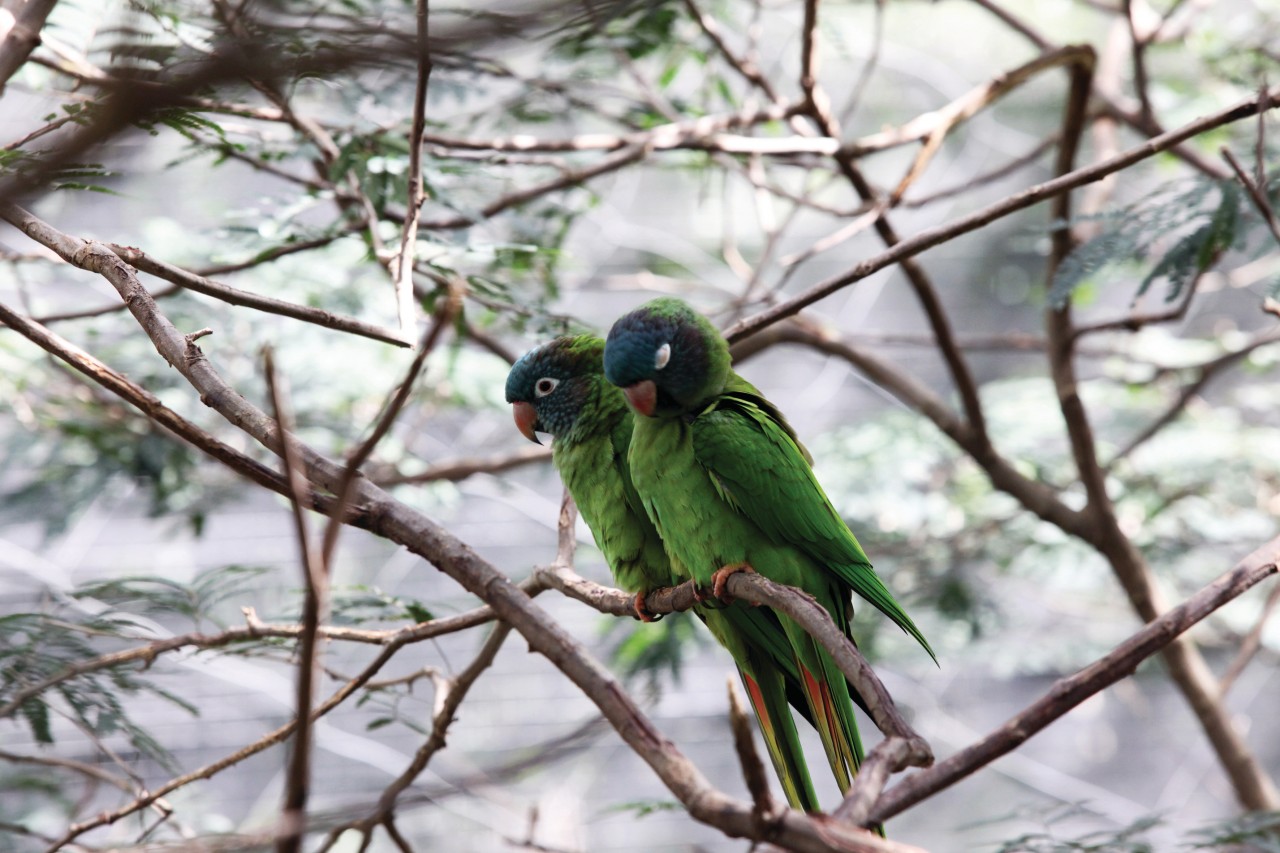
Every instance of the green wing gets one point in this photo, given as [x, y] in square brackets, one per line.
[595, 470]
[760, 470]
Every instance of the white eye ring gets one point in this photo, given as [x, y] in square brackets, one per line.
[662, 356]
[545, 386]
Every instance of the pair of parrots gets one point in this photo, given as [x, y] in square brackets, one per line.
[707, 477]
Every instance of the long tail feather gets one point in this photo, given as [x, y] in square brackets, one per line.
[769, 701]
[762, 651]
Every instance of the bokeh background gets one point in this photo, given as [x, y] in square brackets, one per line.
[113, 532]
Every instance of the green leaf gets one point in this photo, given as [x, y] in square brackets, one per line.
[417, 612]
[36, 713]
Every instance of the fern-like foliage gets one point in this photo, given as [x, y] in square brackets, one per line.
[40, 647]
[1179, 231]
[45, 656]
[1256, 832]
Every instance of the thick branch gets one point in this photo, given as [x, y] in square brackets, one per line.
[433, 542]
[21, 36]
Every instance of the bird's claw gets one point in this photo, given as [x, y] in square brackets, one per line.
[721, 577]
[644, 614]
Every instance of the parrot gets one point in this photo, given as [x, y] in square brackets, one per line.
[559, 388]
[729, 487]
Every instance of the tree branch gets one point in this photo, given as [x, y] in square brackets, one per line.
[315, 601]
[198, 283]
[402, 267]
[426, 538]
[931, 237]
[1068, 692]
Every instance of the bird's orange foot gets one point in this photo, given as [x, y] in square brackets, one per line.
[701, 594]
[721, 576]
[644, 614]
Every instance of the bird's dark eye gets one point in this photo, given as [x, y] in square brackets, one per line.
[662, 356]
[545, 386]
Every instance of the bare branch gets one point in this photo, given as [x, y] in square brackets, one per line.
[145, 401]
[402, 266]
[234, 296]
[889, 756]
[454, 470]
[1068, 692]
[344, 490]
[931, 237]
[1255, 191]
[1253, 787]
[315, 577]
[19, 35]
[754, 588]
[1252, 642]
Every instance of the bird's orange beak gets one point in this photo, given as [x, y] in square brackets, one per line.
[526, 419]
[643, 397]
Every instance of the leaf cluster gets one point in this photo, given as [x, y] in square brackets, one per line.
[39, 646]
[1178, 231]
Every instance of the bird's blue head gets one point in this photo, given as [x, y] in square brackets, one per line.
[552, 386]
[667, 358]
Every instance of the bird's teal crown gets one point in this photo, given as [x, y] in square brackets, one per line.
[562, 380]
[693, 368]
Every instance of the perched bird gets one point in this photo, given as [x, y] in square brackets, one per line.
[560, 388]
[729, 488]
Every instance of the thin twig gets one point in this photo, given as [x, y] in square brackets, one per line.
[234, 296]
[315, 577]
[1255, 191]
[1205, 374]
[931, 237]
[1140, 81]
[402, 267]
[453, 470]
[449, 695]
[942, 121]
[571, 178]
[445, 313]
[1251, 644]
[255, 629]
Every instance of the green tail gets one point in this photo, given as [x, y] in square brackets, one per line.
[765, 661]
[768, 697]
[828, 694]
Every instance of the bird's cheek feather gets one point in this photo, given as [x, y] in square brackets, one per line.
[642, 396]
[526, 420]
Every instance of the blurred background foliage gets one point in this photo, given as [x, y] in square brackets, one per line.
[550, 238]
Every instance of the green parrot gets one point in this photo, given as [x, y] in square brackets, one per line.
[729, 488]
[560, 388]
